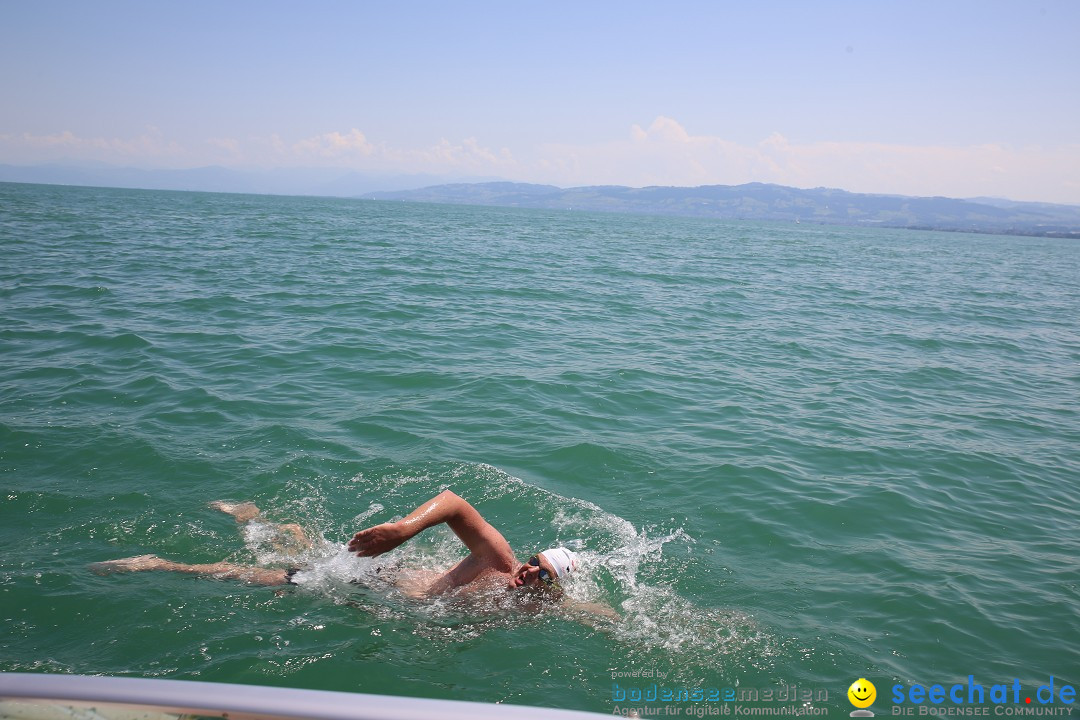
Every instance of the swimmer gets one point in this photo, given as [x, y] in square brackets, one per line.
[490, 564]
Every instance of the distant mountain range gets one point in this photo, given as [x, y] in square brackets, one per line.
[754, 201]
[757, 201]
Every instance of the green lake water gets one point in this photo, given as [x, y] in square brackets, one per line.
[787, 454]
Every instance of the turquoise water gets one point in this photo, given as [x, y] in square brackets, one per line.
[788, 454]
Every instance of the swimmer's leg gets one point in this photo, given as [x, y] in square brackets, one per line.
[221, 570]
[248, 511]
[301, 537]
[243, 512]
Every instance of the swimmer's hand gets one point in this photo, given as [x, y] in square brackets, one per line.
[378, 539]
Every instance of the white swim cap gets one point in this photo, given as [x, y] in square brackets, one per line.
[563, 560]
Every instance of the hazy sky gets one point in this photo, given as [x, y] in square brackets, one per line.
[922, 98]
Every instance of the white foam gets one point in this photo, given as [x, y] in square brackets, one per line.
[621, 567]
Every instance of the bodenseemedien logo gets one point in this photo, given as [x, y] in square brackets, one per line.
[861, 694]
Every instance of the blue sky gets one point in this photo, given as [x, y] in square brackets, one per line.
[922, 98]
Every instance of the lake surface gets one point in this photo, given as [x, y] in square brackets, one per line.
[787, 454]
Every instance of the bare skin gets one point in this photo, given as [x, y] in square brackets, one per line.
[242, 512]
[253, 575]
[490, 566]
[490, 560]
[245, 512]
[490, 557]
[222, 570]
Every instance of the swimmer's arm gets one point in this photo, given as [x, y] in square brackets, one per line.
[483, 540]
[590, 609]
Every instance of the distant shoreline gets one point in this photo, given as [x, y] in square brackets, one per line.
[758, 201]
[752, 201]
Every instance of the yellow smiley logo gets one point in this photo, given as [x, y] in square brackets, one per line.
[862, 693]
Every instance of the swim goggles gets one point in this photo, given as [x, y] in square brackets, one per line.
[544, 574]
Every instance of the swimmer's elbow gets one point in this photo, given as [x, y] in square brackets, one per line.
[454, 506]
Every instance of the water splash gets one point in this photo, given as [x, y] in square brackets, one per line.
[621, 568]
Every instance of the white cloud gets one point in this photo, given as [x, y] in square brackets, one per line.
[231, 146]
[66, 145]
[349, 149]
[354, 150]
[468, 155]
[335, 145]
[66, 138]
[663, 129]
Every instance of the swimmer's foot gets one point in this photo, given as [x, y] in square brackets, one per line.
[131, 564]
[243, 512]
